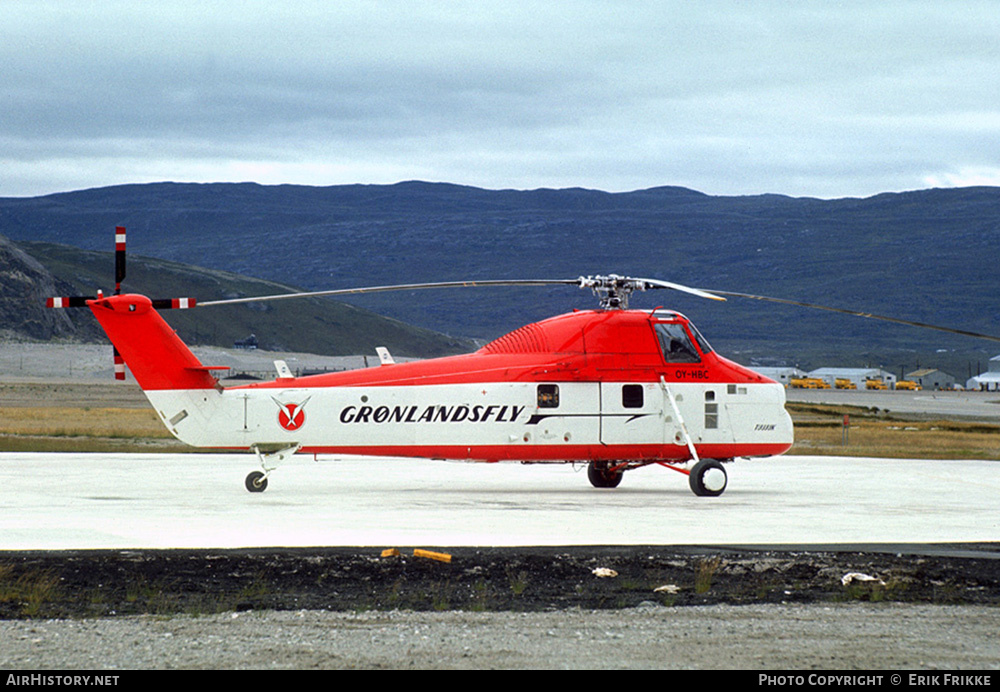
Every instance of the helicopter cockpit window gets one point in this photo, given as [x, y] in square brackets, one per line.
[702, 343]
[675, 343]
[548, 396]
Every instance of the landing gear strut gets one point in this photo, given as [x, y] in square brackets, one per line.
[270, 456]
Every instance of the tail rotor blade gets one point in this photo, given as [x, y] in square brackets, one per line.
[81, 301]
[119, 364]
[119, 258]
[68, 301]
[174, 303]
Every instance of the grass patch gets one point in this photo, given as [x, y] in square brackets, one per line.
[28, 592]
[84, 429]
[706, 574]
[58, 421]
[872, 433]
[518, 581]
[874, 591]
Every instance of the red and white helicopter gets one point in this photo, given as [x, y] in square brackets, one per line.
[614, 388]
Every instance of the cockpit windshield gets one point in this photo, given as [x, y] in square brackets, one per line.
[675, 343]
[702, 343]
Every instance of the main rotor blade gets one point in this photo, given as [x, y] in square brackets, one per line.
[599, 282]
[860, 313]
[396, 287]
[656, 283]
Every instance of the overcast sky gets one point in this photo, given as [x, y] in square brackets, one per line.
[821, 99]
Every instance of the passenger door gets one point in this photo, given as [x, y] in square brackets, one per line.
[631, 413]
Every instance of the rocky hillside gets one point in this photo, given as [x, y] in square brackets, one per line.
[32, 271]
[24, 285]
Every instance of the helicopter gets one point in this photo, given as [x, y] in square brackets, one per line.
[614, 388]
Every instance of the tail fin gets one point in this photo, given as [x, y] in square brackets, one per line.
[153, 352]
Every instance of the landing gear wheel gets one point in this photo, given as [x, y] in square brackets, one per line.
[256, 482]
[708, 478]
[601, 476]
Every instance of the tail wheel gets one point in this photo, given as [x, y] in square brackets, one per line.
[601, 475]
[708, 478]
[256, 482]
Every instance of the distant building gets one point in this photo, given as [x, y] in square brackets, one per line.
[989, 381]
[929, 378]
[782, 375]
[856, 375]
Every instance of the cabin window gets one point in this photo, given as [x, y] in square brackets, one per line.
[711, 411]
[548, 396]
[675, 343]
[632, 396]
[711, 416]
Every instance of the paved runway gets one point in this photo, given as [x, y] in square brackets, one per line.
[78, 501]
[980, 406]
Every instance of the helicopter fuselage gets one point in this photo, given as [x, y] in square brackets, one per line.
[587, 386]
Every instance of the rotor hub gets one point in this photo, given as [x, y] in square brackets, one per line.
[612, 291]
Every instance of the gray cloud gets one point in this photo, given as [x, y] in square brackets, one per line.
[730, 98]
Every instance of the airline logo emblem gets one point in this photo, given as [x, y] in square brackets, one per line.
[291, 416]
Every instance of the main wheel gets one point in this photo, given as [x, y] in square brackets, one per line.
[708, 478]
[601, 476]
[256, 482]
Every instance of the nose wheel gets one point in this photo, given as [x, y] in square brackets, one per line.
[256, 482]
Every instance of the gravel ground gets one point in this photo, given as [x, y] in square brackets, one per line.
[779, 637]
[657, 607]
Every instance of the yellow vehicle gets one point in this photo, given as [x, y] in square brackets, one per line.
[808, 383]
[908, 384]
[844, 383]
[875, 384]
